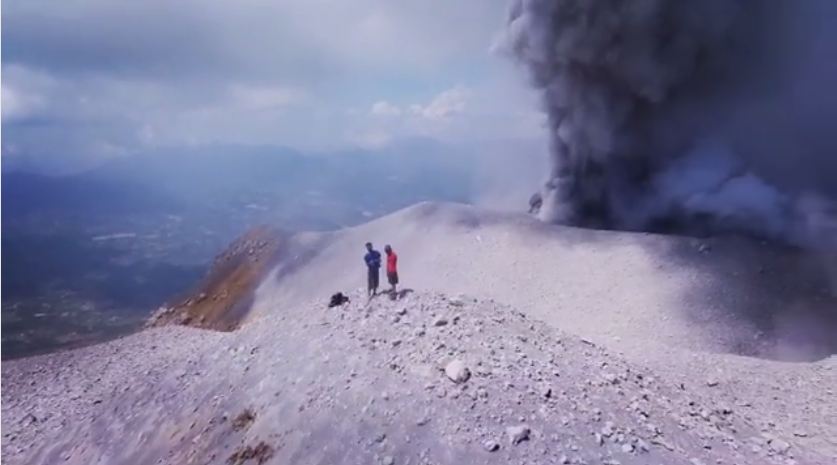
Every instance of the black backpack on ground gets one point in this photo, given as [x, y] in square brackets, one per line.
[338, 300]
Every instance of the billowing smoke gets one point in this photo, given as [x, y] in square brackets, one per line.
[684, 115]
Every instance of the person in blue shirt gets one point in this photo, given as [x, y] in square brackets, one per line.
[373, 265]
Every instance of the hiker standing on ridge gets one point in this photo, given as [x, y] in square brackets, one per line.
[373, 265]
[392, 269]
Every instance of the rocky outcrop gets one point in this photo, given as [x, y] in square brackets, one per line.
[224, 297]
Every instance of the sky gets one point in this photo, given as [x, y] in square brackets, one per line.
[84, 81]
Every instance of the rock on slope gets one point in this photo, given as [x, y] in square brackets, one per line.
[426, 379]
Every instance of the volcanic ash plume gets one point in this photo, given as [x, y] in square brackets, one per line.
[682, 115]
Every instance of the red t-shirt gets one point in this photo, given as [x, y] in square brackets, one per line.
[392, 261]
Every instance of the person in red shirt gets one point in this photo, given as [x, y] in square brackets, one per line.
[392, 269]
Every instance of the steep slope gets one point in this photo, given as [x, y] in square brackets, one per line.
[225, 295]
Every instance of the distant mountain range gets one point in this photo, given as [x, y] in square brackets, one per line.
[204, 179]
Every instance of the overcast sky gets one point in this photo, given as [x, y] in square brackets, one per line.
[87, 80]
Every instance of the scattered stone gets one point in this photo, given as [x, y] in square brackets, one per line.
[512, 369]
[662, 442]
[457, 371]
[260, 454]
[779, 446]
[243, 420]
[518, 434]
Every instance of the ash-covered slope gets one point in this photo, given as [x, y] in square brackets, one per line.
[685, 307]
[427, 379]
[632, 291]
[365, 383]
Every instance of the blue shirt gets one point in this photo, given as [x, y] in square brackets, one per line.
[373, 259]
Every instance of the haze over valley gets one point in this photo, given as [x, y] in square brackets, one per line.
[94, 253]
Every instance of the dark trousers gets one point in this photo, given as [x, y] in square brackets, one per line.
[372, 280]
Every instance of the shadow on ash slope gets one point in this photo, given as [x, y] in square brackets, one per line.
[631, 291]
[426, 380]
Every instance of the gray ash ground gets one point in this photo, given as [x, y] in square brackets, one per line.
[427, 379]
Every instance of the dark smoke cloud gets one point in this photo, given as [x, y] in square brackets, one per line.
[690, 116]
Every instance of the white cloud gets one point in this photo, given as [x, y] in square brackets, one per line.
[23, 93]
[384, 108]
[17, 105]
[494, 110]
[443, 106]
[312, 75]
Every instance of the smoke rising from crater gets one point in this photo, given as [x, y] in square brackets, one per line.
[693, 116]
